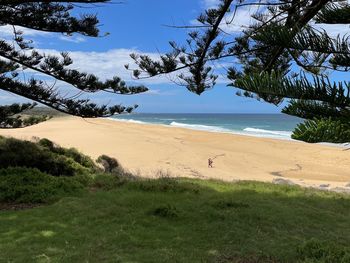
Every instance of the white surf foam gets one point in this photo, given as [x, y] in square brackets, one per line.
[268, 132]
[128, 120]
[199, 127]
[286, 135]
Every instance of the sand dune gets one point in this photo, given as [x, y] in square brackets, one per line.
[148, 148]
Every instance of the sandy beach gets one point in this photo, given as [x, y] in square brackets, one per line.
[146, 149]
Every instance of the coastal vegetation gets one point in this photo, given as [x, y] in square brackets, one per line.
[285, 54]
[10, 116]
[41, 171]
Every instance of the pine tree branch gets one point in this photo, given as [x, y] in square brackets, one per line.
[35, 90]
[296, 26]
[319, 89]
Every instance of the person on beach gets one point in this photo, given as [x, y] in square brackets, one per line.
[210, 163]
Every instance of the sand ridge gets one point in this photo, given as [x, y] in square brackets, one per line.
[145, 149]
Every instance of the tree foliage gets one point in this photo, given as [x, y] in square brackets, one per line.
[17, 55]
[10, 116]
[283, 53]
[324, 130]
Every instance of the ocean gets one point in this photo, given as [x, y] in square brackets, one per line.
[260, 125]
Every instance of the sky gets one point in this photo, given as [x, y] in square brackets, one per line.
[138, 26]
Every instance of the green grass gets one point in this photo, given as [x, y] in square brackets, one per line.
[183, 220]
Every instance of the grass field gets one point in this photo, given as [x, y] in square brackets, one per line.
[182, 220]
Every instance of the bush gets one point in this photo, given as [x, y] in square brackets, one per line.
[31, 120]
[109, 164]
[73, 153]
[322, 130]
[17, 153]
[314, 251]
[27, 185]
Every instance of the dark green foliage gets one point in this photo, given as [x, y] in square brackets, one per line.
[322, 130]
[43, 168]
[314, 251]
[26, 185]
[18, 54]
[72, 153]
[49, 159]
[78, 157]
[10, 116]
[334, 14]
[15, 152]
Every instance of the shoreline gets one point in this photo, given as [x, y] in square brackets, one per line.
[193, 129]
[258, 125]
[329, 144]
[146, 148]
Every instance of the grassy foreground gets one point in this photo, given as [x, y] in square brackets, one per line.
[182, 220]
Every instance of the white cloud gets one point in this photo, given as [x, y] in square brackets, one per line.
[159, 92]
[334, 30]
[106, 65]
[210, 3]
[235, 23]
[74, 39]
[109, 63]
[7, 31]
[112, 63]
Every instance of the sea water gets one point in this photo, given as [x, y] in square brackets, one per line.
[260, 125]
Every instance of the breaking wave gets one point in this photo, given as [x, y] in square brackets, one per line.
[128, 120]
[268, 132]
[199, 127]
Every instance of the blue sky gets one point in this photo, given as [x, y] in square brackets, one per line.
[139, 26]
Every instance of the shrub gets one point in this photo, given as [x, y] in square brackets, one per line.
[47, 143]
[109, 164]
[27, 185]
[73, 153]
[17, 153]
[80, 158]
[31, 120]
